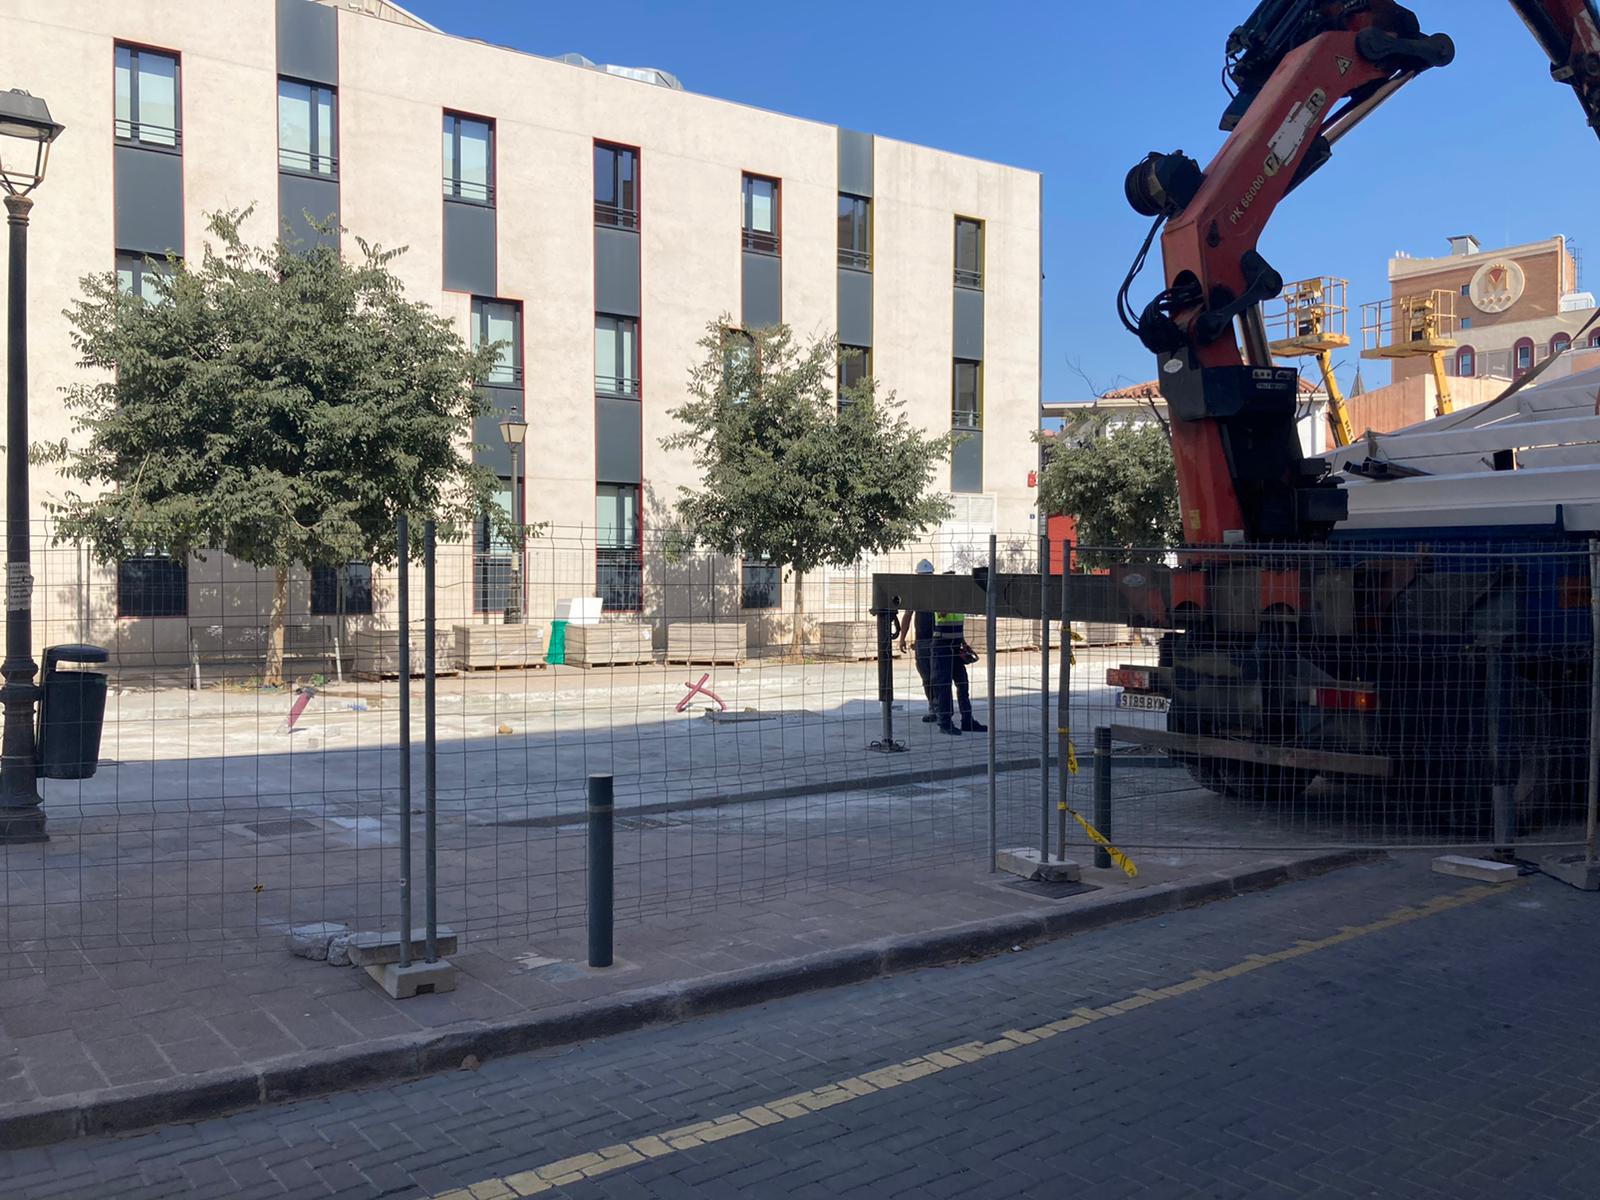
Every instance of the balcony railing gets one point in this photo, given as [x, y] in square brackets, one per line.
[969, 279]
[157, 137]
[469, 191]
[760, 240]
[616, 385]
[856, 260]
[615, 215]
[965, 418]
[619, 578]
[323, 166]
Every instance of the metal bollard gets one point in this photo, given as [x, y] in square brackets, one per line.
[403, 596]
[1102, 792]
[600, 870]
[430, 749]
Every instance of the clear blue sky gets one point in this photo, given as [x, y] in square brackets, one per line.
[1082, 90]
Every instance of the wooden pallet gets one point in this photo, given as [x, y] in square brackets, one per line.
[706, 643]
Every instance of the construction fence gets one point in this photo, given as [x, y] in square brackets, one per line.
[1299, 699]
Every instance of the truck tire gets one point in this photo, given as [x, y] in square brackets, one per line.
[1258, 783]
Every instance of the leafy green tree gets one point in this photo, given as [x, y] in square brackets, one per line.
[280, 405]
[1118, 481]
[793, 472]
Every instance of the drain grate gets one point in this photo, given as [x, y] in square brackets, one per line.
[1051, 890]
[282, 827]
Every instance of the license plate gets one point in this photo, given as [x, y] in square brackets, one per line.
[1143, 703]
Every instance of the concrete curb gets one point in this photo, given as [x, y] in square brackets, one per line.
[297, 1077]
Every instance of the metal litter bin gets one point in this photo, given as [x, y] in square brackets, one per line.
[71, 713]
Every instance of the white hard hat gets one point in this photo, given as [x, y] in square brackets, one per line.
[924, 567]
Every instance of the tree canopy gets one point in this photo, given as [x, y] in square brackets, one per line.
[1118, 481]
[279, 404]
[792, 470]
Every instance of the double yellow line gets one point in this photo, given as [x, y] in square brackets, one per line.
[617, 1157]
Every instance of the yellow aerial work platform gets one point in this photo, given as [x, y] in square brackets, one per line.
[1308, 320]
[1414, 327]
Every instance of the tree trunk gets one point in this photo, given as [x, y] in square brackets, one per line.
[280, 608]
[797, 638]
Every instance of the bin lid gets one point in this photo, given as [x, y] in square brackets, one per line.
[78, 652]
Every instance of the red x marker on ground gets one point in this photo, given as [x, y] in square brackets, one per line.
[700, 689]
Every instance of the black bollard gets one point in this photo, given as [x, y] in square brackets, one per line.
[600, 870]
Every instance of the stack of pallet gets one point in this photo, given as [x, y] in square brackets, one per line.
[611, 643]
[849, 641]
[493, 647]
[707, 642]
[376, 652]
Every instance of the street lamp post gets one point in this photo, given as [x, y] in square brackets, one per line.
[515, 430]
[26, 132]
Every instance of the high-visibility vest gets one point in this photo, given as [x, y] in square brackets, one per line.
[949, 625]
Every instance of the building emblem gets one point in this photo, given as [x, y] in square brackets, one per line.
[1497, 286]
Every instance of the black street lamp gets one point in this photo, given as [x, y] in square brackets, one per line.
[514, 430]
[26, 132]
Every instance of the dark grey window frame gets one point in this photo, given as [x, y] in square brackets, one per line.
[142, 265]
[856, 258]
[616, 384]
[862, 363]
[452, 179]
[619, 568]
[480, 336]
[493, 561]
[970, 276]
[133, 123]
[959, 417]
[760, 240]
[315, 154]
[168, 581]
[617, 214]
[342, 591]
[760, 584]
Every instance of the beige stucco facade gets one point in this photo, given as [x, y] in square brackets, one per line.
[395, 79]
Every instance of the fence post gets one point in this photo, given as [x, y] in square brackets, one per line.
[885, 630]
[1594, 697]
[403, 595]
[1102, 792]
[991, 586]
[430, 750]
[1044, 697]
[600, 869]
[1501, 765]
[1064, 707]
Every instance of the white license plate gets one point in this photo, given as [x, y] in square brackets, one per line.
[1143, 703]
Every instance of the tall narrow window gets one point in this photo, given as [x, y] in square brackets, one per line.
[500, 321]
[969, 253]
[147, 97]
[1560, 342]
[967, 410]
[307, 128]
[855, 365]
[616, 356]
[492, 575]
[739, 364]
[1466, 362]
[140, 276]
[619, 567]
[855, 232]
[761, 214]
[1522, 356]
[468, 158]
[616, 186]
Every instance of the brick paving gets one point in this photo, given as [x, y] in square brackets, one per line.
[1448, 1057]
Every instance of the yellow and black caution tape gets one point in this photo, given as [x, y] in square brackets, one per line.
[1095, 836]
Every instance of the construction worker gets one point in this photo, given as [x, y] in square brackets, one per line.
[923, 623]
[949, 667]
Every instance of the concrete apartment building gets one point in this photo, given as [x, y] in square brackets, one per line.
[595, 218]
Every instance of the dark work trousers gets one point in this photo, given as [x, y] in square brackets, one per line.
[948, 669]
[924, 650]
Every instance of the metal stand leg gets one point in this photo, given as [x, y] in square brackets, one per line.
[1102, 792]
[886, 743]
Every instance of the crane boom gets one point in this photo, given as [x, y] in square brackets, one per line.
[1306, 72]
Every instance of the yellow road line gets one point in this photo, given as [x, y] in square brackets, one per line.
[802, 1104]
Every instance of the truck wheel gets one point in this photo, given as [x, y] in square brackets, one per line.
[1260, 783]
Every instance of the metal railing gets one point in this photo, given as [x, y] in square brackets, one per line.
[322, 166]
[145, 133]
[969, 279]
[468, 191]
[615, 215]
[760, 240]
[856, 260]
[616, 385]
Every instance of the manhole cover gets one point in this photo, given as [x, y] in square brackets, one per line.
[1049, 890]
[283, 827]
[641, 823]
